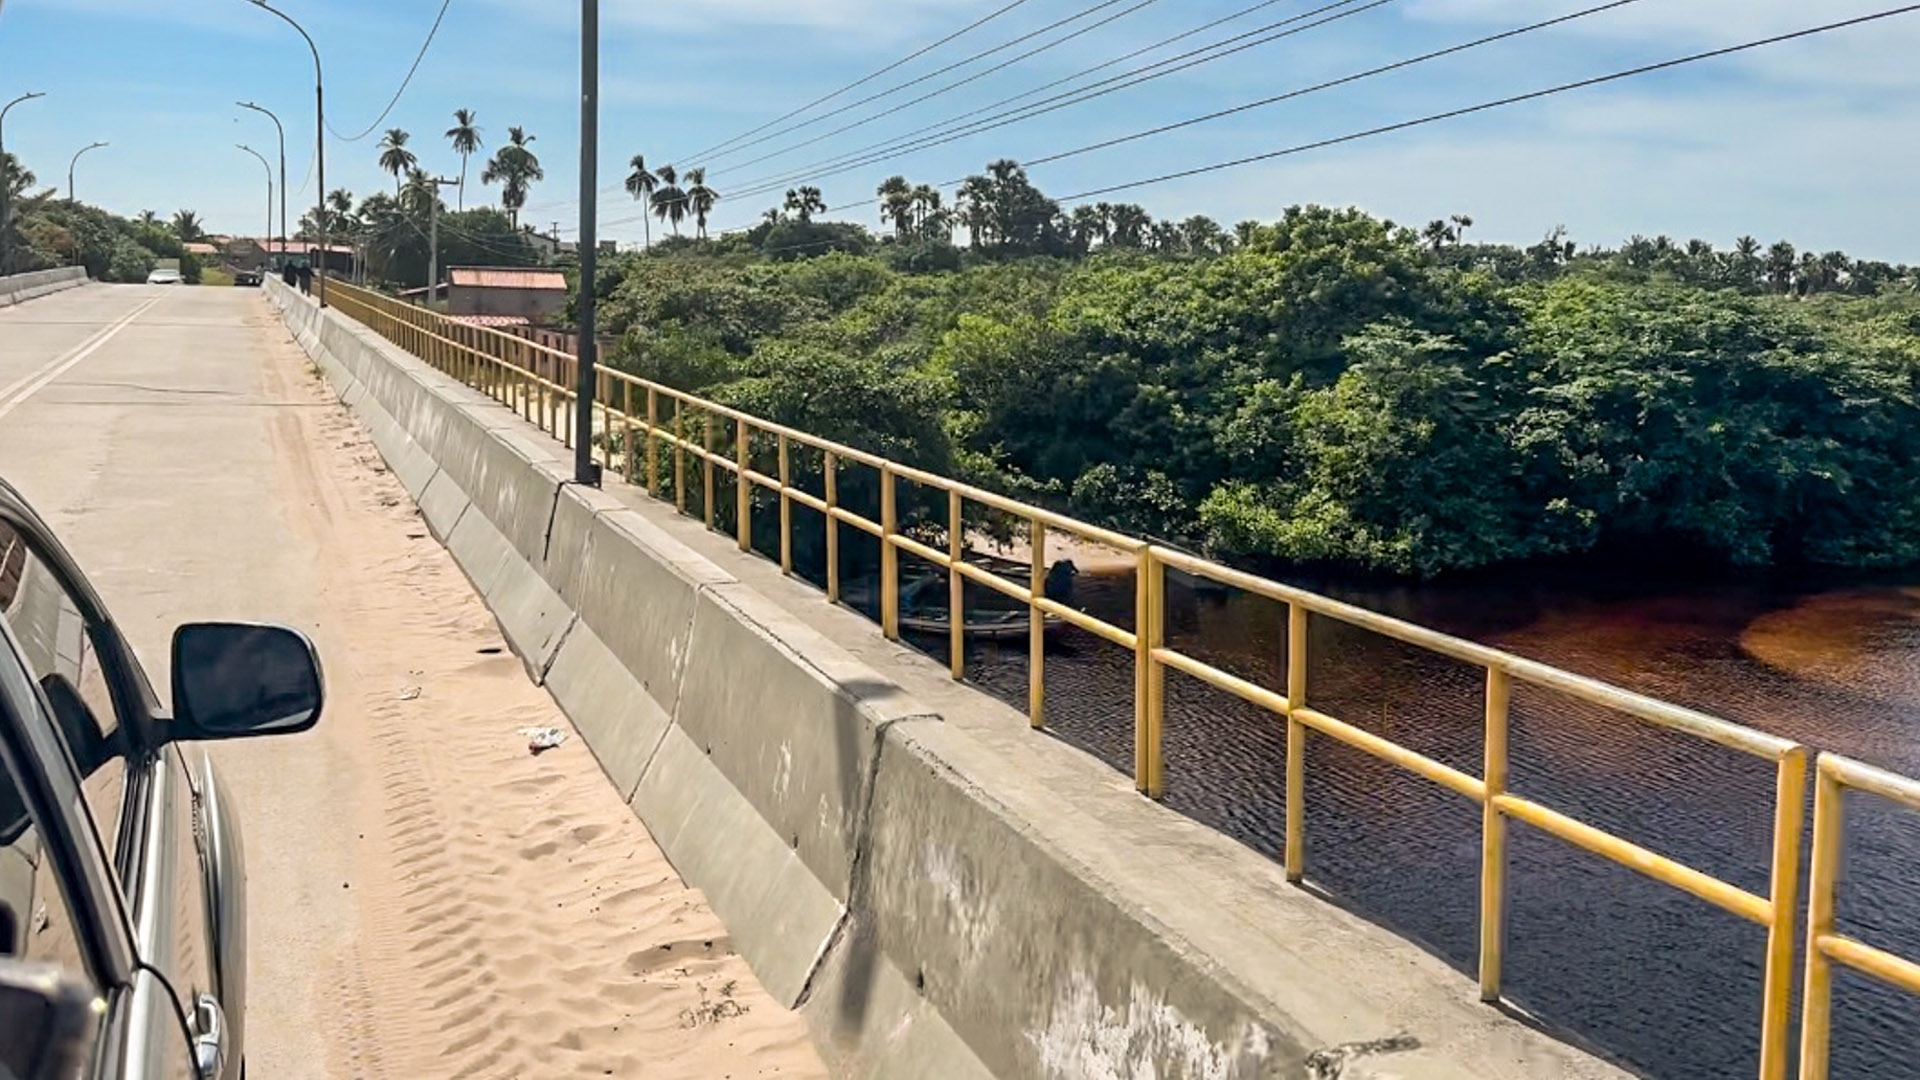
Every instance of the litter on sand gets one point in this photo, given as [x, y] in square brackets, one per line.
[542, 738]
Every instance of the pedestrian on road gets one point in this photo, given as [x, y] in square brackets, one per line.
[287, 274]
[306, 279]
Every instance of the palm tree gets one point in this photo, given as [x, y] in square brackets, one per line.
[1461, 223]
[419, 194]
[1244, 233]
[805, 202]
[465, 137]
[1130, 225]
[394, 155]
[640, 185]
[773, 216]
[1781, 262]
[186, 225]
[1167, 238]
[340, 210]
[700, 199]
[1088, 226]
[1202, 234]
[148, 217]
[669, 202]
[515, 168]
[976, 209]
[926, 209]
[896, 204]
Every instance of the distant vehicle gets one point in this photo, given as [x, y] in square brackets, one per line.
[247, 277]
[123, 939]
[163, 276]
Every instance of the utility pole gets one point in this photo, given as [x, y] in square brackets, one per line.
[585, 470]
[433, 235]
[6, 185]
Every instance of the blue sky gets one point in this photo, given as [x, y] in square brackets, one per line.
[1812, 141]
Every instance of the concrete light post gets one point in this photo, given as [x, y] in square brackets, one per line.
[76, 161]
[6, 190]
[269, 168]
[283, 169]
[319, 140]
[585, 470]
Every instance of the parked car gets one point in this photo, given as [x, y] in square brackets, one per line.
[164, 276]
[248, 277]
[121, 875]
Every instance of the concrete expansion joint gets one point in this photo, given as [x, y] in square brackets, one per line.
[546, 667]
[553, 510]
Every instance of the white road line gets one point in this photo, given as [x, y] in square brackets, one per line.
[32, 383]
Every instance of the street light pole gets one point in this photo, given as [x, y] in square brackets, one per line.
[585, 471]
[319, 140]
[269, 168]
[76, 161]
[6, 185]
[283, 169]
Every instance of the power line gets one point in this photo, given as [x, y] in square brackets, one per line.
[404, 83]
[950, 87]
[857, 83]
[617, 188]
[1056, 24]
[1047, 86]
[1449, 114]
[1112, 84]
[1484, 106]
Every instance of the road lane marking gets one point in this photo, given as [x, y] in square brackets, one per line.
[34, 381]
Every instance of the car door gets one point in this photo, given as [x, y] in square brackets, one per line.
[61, 903]
[135, 788]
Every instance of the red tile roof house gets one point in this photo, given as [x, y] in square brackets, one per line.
[502, 296]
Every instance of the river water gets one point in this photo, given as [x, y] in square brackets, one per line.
[1665, 983]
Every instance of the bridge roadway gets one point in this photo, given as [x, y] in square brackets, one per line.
[426, 898]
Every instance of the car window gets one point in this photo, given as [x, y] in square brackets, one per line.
[60, 656]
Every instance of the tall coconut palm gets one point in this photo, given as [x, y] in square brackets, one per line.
[669, 202]
[186, 226]
[896, 204]
[515, 168]
[1782, 260]
[640, 185]
[340, 211]
[395, 157]
[700, 199]
[148, 217]
[926, 210]
[420, 193]
[465, 137]
[1130, 223]
[805, 202]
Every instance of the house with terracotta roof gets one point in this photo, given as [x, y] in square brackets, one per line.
[533, 294]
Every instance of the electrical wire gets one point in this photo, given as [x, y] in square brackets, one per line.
[404, 83]
[949, 88]
[1449, 114]
[1056, 24]
[1110, 85]
[1043, 88]
[862, 81]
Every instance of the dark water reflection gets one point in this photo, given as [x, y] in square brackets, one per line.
[1666, 982]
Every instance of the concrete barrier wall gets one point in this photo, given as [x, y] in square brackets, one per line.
[19, 288]
[939, 902]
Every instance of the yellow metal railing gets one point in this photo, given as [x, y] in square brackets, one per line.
[650, 419]
[1834, 775]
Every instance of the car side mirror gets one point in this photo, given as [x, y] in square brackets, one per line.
[232, 680]
[47, 1022]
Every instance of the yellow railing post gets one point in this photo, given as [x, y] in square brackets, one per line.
[626, 410]
[1776, 996]
[742, 487]
[1149, 678]
[889, 557]
[706, 463]
[679, 456]
[1816, 998]
[1037, 627]
[601, 392]
[786, 509]
[653, 443]
[956, 587]
[1493, 837]
[1296, 853]
[832, 476]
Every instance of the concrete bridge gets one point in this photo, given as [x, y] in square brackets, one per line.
[935, 889]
